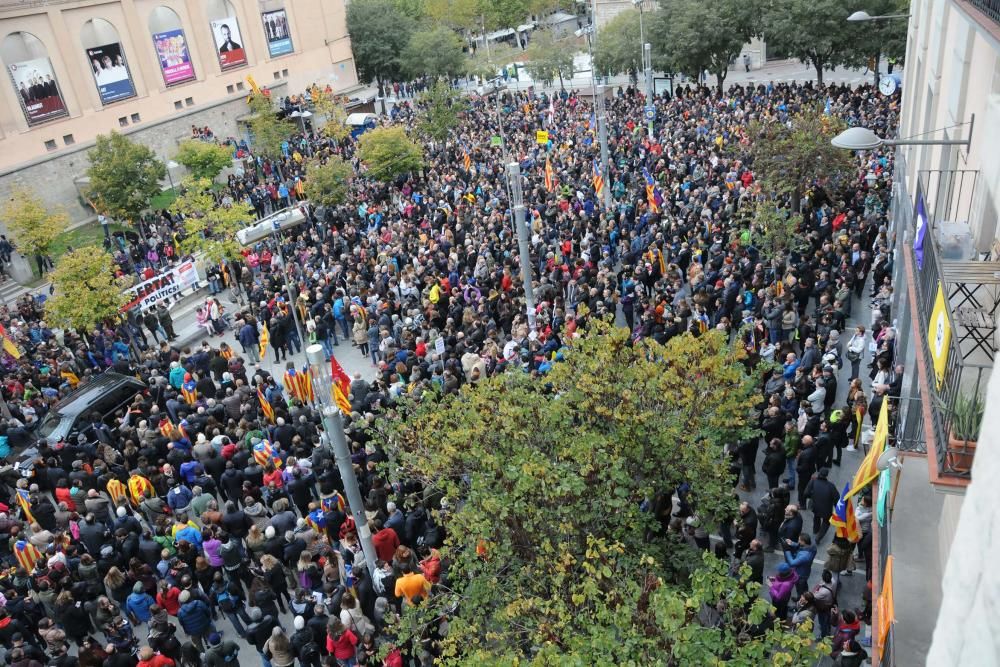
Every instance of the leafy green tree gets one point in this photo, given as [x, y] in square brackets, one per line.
[387, 152]
[204, 159]
[458, 14]
[210, 226]
[486, 64]
[327, 182]
[124, 176]
[440, 108]
[333, 116]
[33, 226]
[618, 48]
[507, 14]
[693, 36]
[268, 131]
[548, 547]
[87, 292]
[874, 41]
[771, 228]
[379, 33]
[816, 32]
[790, 159]
[434, 52]
[549, 58]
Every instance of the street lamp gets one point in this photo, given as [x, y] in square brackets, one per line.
[521, 227]
[863, 139]
[862, 15]
[602, 121]
[333, 425]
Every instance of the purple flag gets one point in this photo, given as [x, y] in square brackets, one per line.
[918, 241]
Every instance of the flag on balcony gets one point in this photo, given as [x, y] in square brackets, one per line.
[885, 607]
[869, 466]
[844, 519]
[918, 239]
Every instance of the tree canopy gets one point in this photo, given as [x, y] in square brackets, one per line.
[387, 152]
[269, 132]
[434, 52]
[33, 226]
[549, 58]
[618, 48]
[124, 176]
[331, 116]
[204, 159]
[86, 289]
[210, 227]
[557, 490]
[440, 110]
[327, 182]
[814, 31]
[379, 33]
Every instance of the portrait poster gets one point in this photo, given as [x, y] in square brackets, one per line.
[229, 42]
[37, 90]
[111, 73]
[175, 59]
[279, 39]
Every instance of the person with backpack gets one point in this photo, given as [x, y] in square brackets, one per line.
[221, 653]
[304, 644]
[824, 601]
[227, 596]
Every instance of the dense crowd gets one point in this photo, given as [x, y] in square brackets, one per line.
[158, 529]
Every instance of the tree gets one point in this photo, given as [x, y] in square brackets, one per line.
[435, 52]
[789, 160]
[875, 40]
[327, 182]
[334, 117]
[618, 49]
[771, 228]
[124, 175]
[550, 548]
[387, 152]
[486, 64]
[814, 31]
[507, 15]
[209, 227]
[33, 226]
[441, 108]
[268, 130]
[457, 14]
[87, 292]
[692, 36]
[204, 159]
[548, 58]
[379, 33]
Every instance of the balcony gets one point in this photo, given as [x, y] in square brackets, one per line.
[984, 12]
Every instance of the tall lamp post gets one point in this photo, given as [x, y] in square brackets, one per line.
[333, 425]
[861, 16]
[521, 226]
[647, 69]
[599, 111]
[276, 221]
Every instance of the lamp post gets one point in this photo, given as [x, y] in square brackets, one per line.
[861, 16]
[333, 425]
[521, 227]
[276, 223]
[602, 127]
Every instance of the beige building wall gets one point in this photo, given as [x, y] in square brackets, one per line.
[321, 54]
[952, 73]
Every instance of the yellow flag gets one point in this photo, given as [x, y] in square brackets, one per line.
[265, 339]
[868, 470]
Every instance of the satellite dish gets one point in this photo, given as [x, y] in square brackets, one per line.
[889, 459]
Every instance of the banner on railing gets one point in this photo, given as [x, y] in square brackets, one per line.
[939, 336]
[160, 288]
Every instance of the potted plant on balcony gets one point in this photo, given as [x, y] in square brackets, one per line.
[966, 419]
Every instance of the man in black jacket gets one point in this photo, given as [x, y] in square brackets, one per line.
[824, 496]
[259, 629]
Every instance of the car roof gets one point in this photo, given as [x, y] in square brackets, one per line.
[82, 398]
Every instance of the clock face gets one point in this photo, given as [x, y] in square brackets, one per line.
[887, 85]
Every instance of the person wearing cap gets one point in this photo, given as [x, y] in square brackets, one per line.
[221, 653]
[780, 588]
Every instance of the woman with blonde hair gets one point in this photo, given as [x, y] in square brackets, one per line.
[117, 586]
[255, 541]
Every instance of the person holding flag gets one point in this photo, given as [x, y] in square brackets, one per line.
[189, 390]
[265, 405]
[265, 340]
[598, 178]
[868, 470]
[139, 487]
[27, 554]
[341, 389]
[550, 181]
[304, 378]
[24, 500]
[292, 382]
[653, 196]
[263, 454]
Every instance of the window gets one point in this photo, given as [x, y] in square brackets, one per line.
[68, 139]
[230, 89]
[106, 56]
[239, 85]
[123, 121]
[26, 60]
[136, 118]
[178, 105]
[189, 101]
[284, 73]
[277, 75]
[50, 145]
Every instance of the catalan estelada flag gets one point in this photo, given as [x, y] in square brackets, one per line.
[341, 386]
[166, 427]
[116, 490]
[265, 340]
[263, 454]
[868, 470]
[265, 406]
[332, 502]
[24, 500]
[27, 555]
[844, 519]
[550, 181]
[317, 521]
[139, 486]
[598, 178]
[466, 160]
[653, 196]
[189, 392]
[306, 385]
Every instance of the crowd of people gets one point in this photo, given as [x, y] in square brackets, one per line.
[149, 536]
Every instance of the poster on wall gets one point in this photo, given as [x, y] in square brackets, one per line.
[175, 59]
[229, 42]
[114, 82]
[279, 39]
[37, 90]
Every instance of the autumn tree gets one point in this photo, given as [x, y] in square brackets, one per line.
[204, 159]
[124, 176]
[33, 226]
[440, 110]
[268, 130]
[791, 157]
[549, 58]
[327, 181]
[618, 47]
[86, 290]
[331, 117]
[210, 226]
[387, 152]
[558, 489]
[434, 52]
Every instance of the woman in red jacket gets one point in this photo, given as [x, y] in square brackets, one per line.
[167, 598]
[341, 643]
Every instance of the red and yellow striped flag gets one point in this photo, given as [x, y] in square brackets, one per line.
[27, 555]
[117, 491]
[265, 406]
[265, 340]
[25, 502]
[139, 486]
[550, 181]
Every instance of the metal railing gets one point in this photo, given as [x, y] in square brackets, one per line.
[990, 8]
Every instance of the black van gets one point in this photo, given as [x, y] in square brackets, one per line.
[104, 394]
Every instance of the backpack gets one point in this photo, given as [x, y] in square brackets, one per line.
[308, 653]
[823, 604]
[764, 517]
[225, 600]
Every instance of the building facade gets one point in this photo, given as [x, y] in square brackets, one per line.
[151, 69]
